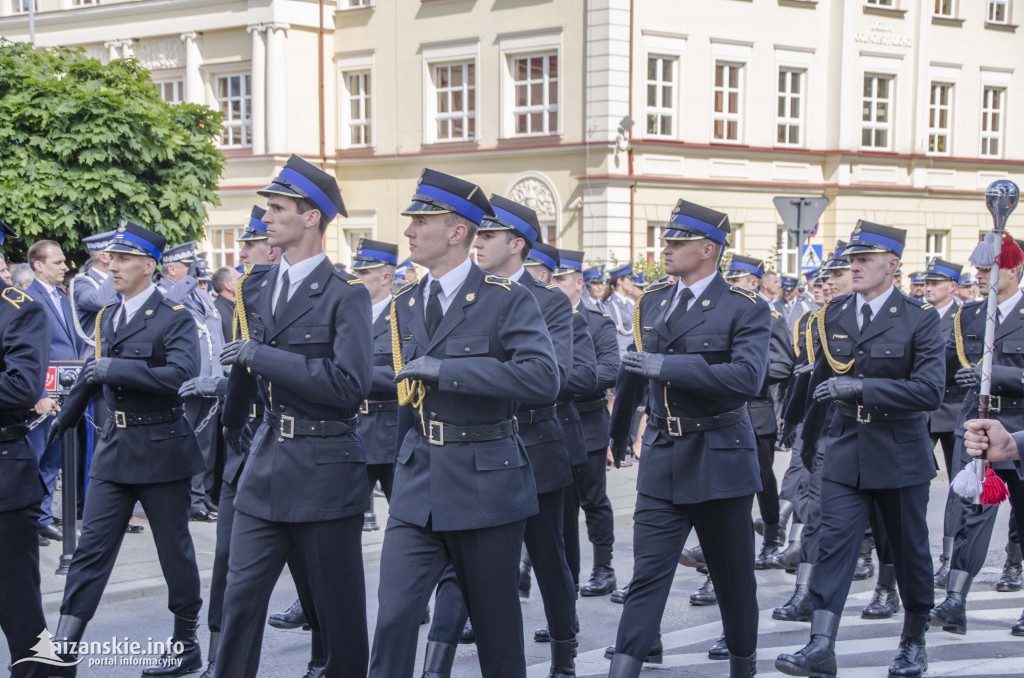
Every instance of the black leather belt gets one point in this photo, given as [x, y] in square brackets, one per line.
[290, 427]
[867, 414]
[369, 406]
[440, 433]
[536, 416]
[677, 426]
[15, 432]
[126, 419]
[999, 403]
[592, 405]
[954, 394]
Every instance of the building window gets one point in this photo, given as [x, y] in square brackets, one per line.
[940, 107]
[549, 231]
[82, 3]
[661, 95]
[786, 255]
[21, 6]
[945, 8]
[999, 11]
[881, 3]
[935, 245]
[359, 108]
[171, 90]
[654, 244]
[223, 246]
[234, 96]
[535, 93]
[728, 97]
[354, 235]
[358, 3]
[455, 101]
[789, 121]
[992, 121]
[876, 114]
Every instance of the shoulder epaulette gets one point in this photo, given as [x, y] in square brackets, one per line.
[405, 288]
[776, 314]
[15, 297]
[498, 281]
[552, 286]
[355, 281]
[177, 307]
[752, 296]
[654, 287]
[575, 310]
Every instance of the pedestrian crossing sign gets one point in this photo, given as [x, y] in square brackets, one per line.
[810, 259]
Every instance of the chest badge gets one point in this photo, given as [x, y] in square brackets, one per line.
[892, 309]
[845, 306]
[263, 284]
[705, 303]
[315, 286]
[149, 311]
[471, 296]
[412, 301]
[663, 302]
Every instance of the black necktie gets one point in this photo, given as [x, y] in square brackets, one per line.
[680, 310]
[282, 297]
[434, 310]
[865, 312]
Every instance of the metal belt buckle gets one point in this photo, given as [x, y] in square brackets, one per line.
[675, 426]
[287, 427]
[364, 407]
[119, 419]
[862, 416]
[435, 433]
[995, 403]
[252, 412]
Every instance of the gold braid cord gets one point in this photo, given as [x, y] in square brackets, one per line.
[97, 338]
[809, 336]
[638, 339]
[958, 334]
[240, 321]
[837, 367]
[410, 392]
[796, 336]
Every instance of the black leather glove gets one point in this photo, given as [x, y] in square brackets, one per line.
[425, 368]
[240, 352]
[968, 377]
[645, 364]
[840, 388]
[619, 450]
[203, 387]
[99, 370]
[233, 437]
[57, 431]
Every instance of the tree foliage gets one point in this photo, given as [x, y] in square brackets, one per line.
[84, 145]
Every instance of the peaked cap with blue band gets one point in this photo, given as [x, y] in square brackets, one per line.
[440, 193]
[691, 221]
[967, 280]
[131, 238]
[374, 253]
[593, 274]
[838, 259]
[511, 216]
[741, 266]
[99, 241]
[639, 280]
[940, 269]
[569, 261]
[300, 179]
[543, 254]
[789, 282]
[185, 253]
[255, 229]
[624, 271]
[7, 232]
[917, 278]
[868, 238]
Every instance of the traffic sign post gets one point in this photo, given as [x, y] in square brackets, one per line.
[798, 213]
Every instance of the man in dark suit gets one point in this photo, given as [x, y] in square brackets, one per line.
[701, 348]
[146, 348]
[48, 265]
[223, 283]
[877, 371]
[305, 348]
[474, 346]
[23, 361]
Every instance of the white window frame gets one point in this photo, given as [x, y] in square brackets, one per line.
[936, 244]
[21, 6]
[80, 3]
[466, 114]
[991, 9]
[872, 125]
[786, 248]
[950, 13]
[725, 117]
[544, 108]
[359, 223]
[353, 4]
[245, 124]
[889, 4]
[177, 82]
[518, 45]
[665, 46]
[785, 98]
[444, 54]
[219, 249]
[935, 110]
[987, 113]
[667, 110]
[652, 253]
[350, 65]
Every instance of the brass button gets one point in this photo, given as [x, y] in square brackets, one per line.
[273, 343]
[309, 336]
[506, 461]
[671, 350]
[467, 349]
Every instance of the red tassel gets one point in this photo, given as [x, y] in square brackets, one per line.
[993, 491]
[1011, 255]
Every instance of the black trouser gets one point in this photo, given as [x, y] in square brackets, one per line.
[845, 514]
[951, 517]
[794, 481]
[486, 563]
[203, 488]
[812, 510]
[546, 547]
[972, 539]
[385, 474]
[108, 506]
[21, 607]
[219, 579]
[320, 554]
[592, 484]
[571, 526]
[768, 497]
[660, 531]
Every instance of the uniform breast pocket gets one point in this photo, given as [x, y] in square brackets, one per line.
[309, 334]
[382, 348]
[467, 345]
[707, 343]
[650, 339]
[1013, 346]
[840, 348]
[256, 331]
[140, 349]
[887, 350]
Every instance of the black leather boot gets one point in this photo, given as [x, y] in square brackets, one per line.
[563, 658]
[694, 558]
[798, 609]
[656, 655]
[951, 614]
[818, 657]
[865, 565]
[911, 657]
[1011, 579]
[189, 660]
[69, 630]
[467, 637]
[525, 581]
[942, 573]
[885, 602]
[619, 595]
[543, 635]
[602, 577]
[785, 513]
[769, 547]
[370, 523]
[742, 667]
[719, 650]
[316, 668]
[705, 595]
[624, 666]
[292, 618]
[438, 660]
[788, 558]
[1018, 628]
[211, 656]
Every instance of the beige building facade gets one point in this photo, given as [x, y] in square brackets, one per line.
[600, 114]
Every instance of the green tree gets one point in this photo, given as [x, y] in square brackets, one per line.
[84, 145]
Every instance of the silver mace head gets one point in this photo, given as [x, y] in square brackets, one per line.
[1001, 198]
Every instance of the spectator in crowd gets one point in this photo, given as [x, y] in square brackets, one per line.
[22, 276]
[223, 282]
[5, 273]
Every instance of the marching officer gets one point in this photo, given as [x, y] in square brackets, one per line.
[701, 347]
[878, 369]
[472, 346]
[23, 362]
[619, 303]
[92, 289]
[593, 280]
[305, 347]
[146, 347]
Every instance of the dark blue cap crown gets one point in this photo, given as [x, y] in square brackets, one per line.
[592, 274]
[940, 269]
[255, 229]
[569, 261]
[185, 253]
[438, 193]
[622, 271]
[543, 254]
[6, 232]
[374, 253]
[868, 237]
[691, 221]
[788, 282]
[838, 259]
[741, 266]
[510, 215]
[131, 238]
[300, 179]
[99, 241]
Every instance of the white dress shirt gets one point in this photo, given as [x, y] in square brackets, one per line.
[379, 307]
[296, 274]
[876, 304]
[697, 288]
[450, 284]
[132, 306]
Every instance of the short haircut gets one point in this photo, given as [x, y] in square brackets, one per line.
[38, 251]
[453, 219]
[303, 205]
[220, 277]
[22, 276]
